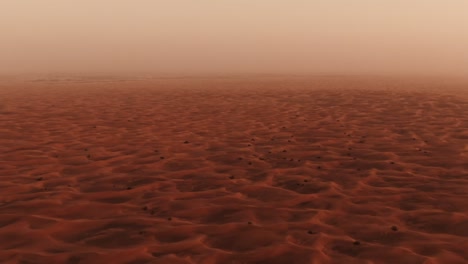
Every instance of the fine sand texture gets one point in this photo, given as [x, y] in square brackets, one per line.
[234, 170]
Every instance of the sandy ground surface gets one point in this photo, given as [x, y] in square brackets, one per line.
[273, 170]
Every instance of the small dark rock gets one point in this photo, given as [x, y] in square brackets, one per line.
[394, 228]
[357, 243]
[74, 260]
[39, 179]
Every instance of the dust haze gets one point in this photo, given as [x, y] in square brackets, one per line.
[260, 36]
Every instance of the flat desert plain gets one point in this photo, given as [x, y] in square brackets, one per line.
[234, 170]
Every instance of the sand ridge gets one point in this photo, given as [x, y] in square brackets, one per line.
[326, 170]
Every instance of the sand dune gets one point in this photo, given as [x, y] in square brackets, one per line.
[273, 170]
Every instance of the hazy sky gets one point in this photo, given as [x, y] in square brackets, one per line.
[236, 36]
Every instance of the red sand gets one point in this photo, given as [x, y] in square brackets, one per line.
[323, 170]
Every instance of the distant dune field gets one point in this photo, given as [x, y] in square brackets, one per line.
[234, 170]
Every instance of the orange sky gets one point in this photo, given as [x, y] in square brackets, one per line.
[242, 36]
